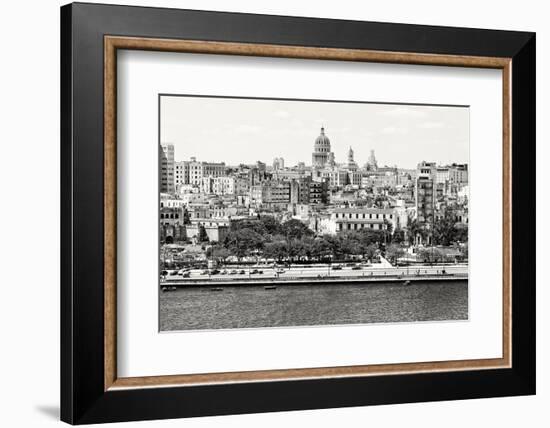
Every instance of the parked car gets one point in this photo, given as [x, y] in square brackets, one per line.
[214, 271]
[204, 272]
[242, 272]
[356, 267]
[233, 272]
[254, 271]
[186, 274]
[337, 267]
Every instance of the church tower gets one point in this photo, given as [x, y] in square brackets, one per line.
[371, 165]
[352, 165]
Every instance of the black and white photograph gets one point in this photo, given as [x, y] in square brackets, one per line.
[289, 212]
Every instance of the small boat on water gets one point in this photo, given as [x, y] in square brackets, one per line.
[407, 282]
[164, 289]
[270, 287]
[216, 289]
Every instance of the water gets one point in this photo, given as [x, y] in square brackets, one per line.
[308, 305]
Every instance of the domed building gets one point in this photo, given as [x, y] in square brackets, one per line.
[321, 151]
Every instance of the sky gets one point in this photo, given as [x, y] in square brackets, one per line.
[235, 131]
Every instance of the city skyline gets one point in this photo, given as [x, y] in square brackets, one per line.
[283, 213]
[249, 130]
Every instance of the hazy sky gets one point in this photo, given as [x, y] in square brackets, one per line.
[246, 130]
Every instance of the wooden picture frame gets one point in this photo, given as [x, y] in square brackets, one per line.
[91, 390]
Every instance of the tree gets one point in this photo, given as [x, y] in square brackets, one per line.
[276, 250]
[203, 236]
[271, 225]
[461, 233]
[416, 229]
[398, 236]
[444, 228]
[256, 225]
[394, 252]
[218, 253]
[186, 217]
[370, 252]
[295, 229]
[243, 242]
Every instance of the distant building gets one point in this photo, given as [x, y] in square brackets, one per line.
[216, 229]
[171, 215]
[166, 154]
[458, 174]
[278, 163]
[321, 151]
[181, 177]
[290, 174]
[318, 192]
[193, 171]
[355, 178]
[425, 193]
[336, 177]
[371, 164]
[352, 165]
[345, 219]
[270, 194]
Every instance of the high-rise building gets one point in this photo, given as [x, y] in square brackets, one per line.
[321, 150]
[425, 193]
[278, 163]
[166, 152]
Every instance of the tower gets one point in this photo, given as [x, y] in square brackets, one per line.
[371, 165]
[352, 165]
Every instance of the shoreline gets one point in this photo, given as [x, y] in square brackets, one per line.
[191, 283]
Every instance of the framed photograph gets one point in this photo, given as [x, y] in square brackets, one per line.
[266, 213]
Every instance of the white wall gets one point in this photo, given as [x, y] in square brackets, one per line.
[29, 302]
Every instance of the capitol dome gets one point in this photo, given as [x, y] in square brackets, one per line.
[321, 151]
[322, 143]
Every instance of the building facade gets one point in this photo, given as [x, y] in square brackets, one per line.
[166, 155]
[345, 219]
[425, 193]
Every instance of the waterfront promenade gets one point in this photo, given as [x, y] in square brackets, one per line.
[321, 273]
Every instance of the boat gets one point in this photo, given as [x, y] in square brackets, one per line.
[216, 289]
[270, 287]
[407, 282]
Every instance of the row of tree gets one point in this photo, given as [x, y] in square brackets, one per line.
[444, 231]
[293, 241]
